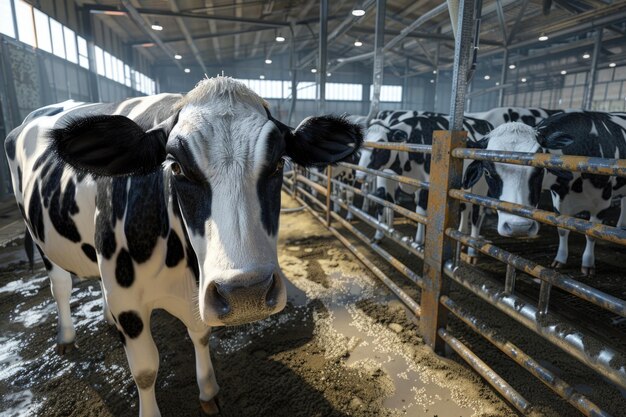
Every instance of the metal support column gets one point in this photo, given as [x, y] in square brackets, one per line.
[323, 59]
[505, 66]
[87, 21]
[591, 82]
[379, 58]
[447, 173]
[294, 80]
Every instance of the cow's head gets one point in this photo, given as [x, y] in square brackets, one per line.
[375, 158]
[222, 153]
[515, 183]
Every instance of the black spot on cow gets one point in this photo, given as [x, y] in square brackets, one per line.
[131, 323]
[407, 166]
[396, 167]
[493, 180]
[146, 215]
[35, 215]
[175, 252]
[535, 112]
[577, 185]
[89, 251]
[124, 269]
[269, 184]
[560, 188]
[422, 199]
[105, 220]
[607, 192]
[118, 198]
[535, 183]
[194, 199]
[19, 179]
[475, 214]
[462, 206]
[619, 183]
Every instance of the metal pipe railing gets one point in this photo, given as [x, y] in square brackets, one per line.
[556, 384]
[399, 178]
[548, 275]
[402, 147]
[589, 165]
[495, 380]
[603, 359]
[594, 230]
[311, 184]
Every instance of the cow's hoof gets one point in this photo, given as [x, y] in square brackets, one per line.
[588, 271]
[209, 408]
[63, 348]
[557, 265]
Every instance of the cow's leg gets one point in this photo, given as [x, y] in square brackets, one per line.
[588, 267]
[349, 201]
[478, 217]
[105, 306]
[562, 253]
[365, 188]
[61, 287]
[205, 374]
[385, 214]
[420, 208]
[621, 222]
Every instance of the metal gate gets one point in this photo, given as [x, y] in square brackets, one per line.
[442, 265]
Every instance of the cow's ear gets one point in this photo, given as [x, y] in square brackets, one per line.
[323, 140]
[555, 140]
[478, 144]
[109, 145]
[472, 174]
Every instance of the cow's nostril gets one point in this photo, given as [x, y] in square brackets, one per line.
[217, 299]
[507, 228]
[273, 293]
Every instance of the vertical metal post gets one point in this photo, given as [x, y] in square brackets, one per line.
[405, 85]
[379, 58]
[544, 298]
[509, 282]
[446, 173]
[591, 83]
[505, 66]
[321, 66]
[436, 78]
[294, 81]
[87, 20]
[329, 188]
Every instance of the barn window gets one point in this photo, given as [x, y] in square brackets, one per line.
[56, 31]
[99, 60]
[344, 91]
[388, 93]
[25, 23]
[127, 79]
[108, 65]
[307, 90]
[83, 56]
[42, 27]
[6, 18]
[70, 45]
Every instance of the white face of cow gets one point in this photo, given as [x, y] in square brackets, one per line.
[226, 164]
[512, 183]
[378, 158]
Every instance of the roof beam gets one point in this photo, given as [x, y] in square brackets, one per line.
[203, 36]
[188, 37]
[213, 29]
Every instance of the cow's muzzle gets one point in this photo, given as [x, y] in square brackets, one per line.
[243, 299]
[518, 228]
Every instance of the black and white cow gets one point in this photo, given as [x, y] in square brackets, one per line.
[174, 202]
[591, 134]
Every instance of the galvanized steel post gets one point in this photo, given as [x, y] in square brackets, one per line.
[379, 57]
[323, 58]
[591, 82]
[446, 173]
[329, 187]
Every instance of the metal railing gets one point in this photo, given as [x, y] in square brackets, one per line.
[441, 265]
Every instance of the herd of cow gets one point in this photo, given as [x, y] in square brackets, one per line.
[560, 132]
[173, 201]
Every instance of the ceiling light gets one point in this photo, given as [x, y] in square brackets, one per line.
[512, 66]
[268, 61]
[434, 71]
[524, 80]
[328, 74]
[156, 26]
[487, 77]
[563, 72]
[358, 43]
[262, 77]
[280, 38]
[313, 70]
[612, 64]
[358, 12]
[497, 83]
[586, 55]
[432, 81]
[178, 56]
[543, 37]
[187, 70]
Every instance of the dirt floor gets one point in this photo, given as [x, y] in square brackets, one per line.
[344, 346]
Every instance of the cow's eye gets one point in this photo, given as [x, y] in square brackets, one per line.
[279, 167]
[176, 169]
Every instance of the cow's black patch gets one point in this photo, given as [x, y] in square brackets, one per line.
[380, 157]
[475, 214]
[422, 199]
[175, 252]
[396, 167]
[19, 179]
[407, 166]
[124, 269]
[195, 201]
[90, 251]
[534, 185]
[46, 262]
[607, 192]
[146, 215]
[494, 181]
[62, 207]
[561, 187]
[131, 323]
[577, 185]
[105, 220]
[269, 184]
[35, 215]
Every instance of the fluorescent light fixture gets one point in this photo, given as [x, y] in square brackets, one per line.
[586, 55]
[358, 12]
[328, 74]
[178, 56]
[487, 77]
[156, 26]
[612, 64]
[432, 81]
[280, 38]
[497, 83]
[434, 71]
[543, 37]
[524, 80]
[358, 43]
[563, 72]
[187, 70]
[512, 66]
[262, 77]
[268, 61]
[313, 70]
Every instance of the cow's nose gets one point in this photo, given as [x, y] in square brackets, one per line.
[243, 301]
[520, 228]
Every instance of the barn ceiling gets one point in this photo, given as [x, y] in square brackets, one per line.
[206, 32]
